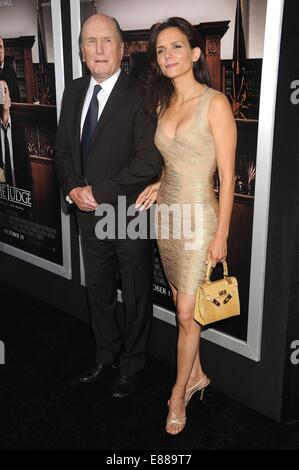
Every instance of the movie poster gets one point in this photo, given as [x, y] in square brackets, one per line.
[30, 211]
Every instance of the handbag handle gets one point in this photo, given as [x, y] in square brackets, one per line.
[210, 269]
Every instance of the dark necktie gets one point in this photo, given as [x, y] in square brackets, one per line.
[89, 128]
[7, 162]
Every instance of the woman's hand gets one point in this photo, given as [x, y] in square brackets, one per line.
[148, 196]
[217, 250]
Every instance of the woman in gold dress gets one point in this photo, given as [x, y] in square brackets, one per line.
[196, 134]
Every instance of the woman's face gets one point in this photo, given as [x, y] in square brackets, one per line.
[174, 54]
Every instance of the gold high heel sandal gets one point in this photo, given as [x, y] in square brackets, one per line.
[175, 420]
[199, 386]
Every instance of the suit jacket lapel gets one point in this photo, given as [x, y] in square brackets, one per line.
[114, 101]
[14, 138]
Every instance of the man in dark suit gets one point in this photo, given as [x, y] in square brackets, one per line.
[8, 74]
[105, 149]
[14, 159]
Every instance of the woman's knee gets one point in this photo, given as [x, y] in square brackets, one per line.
[185, 316]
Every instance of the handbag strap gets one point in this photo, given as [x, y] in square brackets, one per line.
[210, 270]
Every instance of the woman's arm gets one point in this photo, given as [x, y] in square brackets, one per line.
[222, 123]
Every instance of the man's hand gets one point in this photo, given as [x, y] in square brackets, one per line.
[83, 198]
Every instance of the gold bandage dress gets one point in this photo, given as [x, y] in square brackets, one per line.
[187, 208]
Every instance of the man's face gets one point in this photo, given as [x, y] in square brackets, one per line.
[101, 47]
[1, 51]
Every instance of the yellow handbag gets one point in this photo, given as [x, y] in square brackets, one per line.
[217, 300]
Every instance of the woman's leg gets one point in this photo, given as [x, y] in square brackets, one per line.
[187, 354]
[196, 372]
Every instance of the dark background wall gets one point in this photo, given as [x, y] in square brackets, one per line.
[269, 386]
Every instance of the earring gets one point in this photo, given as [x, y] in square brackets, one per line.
[194, 65]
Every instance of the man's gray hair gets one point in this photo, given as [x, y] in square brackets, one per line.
[117, 27]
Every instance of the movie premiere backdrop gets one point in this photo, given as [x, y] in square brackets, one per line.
[32, 226]
[241, 40]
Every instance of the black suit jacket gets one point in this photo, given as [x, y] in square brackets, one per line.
[21, 159]
[123, 157]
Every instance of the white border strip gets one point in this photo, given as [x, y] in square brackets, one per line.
[75, 28]
[58, 51]
[273, 29]
[59, 81]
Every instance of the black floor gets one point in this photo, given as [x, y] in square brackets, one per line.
[43, 406]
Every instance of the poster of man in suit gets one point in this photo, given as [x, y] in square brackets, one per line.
[14, 161]
[30, 210]
[8, 73]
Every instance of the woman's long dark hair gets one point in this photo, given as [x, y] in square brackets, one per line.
[159, 88]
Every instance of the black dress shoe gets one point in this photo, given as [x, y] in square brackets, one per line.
[124, 386]
[96, 372]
